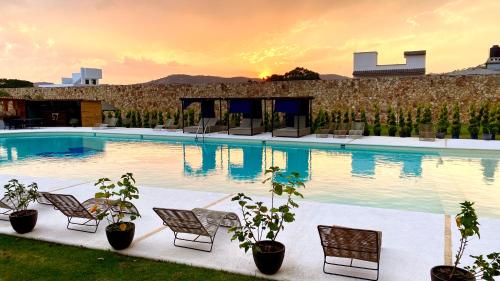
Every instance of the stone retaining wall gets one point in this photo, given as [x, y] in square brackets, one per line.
[408, 92]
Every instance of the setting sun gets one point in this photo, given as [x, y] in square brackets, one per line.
[265, 73]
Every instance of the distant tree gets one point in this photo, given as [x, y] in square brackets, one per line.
[15, 83]
[299, 73]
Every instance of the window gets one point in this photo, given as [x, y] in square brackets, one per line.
[94, 81]
[86, 81]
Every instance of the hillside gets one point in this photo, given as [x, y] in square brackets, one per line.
[206, 79]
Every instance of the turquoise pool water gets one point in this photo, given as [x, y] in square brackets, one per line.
[408, 179]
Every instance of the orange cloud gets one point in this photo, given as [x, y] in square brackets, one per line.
[135, 41]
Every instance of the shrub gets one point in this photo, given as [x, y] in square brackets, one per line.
[145, 120]
[485, 120]
[267, 122]
[473, 122]
[139, 119]
[133, 119]
[366, 131]
[346, 117]
[128, 119]
[160, 118]
[402, 123]
[376, 123]
[320, 121]
[4, 94]
[443, 122]
[119, 121]
[153, 120]
[409, 123]
[427, 116]
[190, 117]
[456, 126]
[418, 120]
[391, 121]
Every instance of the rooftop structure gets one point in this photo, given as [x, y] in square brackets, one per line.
[86, 77]
[366, 65]
[493, 61]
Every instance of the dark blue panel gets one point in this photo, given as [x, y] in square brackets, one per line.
[240, 106]
[287, 106]
[208, 109]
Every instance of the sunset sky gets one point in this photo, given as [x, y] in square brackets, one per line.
[141, 40]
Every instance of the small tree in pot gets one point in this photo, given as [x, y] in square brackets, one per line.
[391, 121]
[262, 224]
[120, 232]
[443, 123]
[377, 128]
[19, 197]
[473, 123]
[484, 268]
[456, 126]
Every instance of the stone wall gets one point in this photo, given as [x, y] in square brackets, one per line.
[408, 92]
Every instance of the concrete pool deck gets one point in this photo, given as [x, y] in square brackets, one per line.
[412, 242]
[383, 141]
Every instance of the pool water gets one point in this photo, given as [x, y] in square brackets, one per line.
[407, 179]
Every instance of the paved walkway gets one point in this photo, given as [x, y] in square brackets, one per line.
[412, 242]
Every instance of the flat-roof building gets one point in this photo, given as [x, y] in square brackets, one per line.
[366, 65]
[86, 77]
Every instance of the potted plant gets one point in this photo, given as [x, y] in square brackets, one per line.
[485, 268]
[443, 124]
[262, 224]
[366, 129]
[456, 126]
[409, 123]
[120, 232]
[19, 196]
[418, 120]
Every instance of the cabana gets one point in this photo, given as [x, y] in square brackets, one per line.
[297, 112]
[207, 123]
[251, 108]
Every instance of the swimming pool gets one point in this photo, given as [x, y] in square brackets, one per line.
[407, 179]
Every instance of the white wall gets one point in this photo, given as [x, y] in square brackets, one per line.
[367, 61]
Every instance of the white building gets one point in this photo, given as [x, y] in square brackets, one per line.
[493, 61]
[366, 65]
[86, 77]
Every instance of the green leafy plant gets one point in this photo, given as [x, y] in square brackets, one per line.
[427, 116]
[418, 120]
[160, 118]
[118, 197]
[145, 120]
[391, 121]
[468, 225]
[409, 123]
[402, 123]
[443, 122]
[377, 128]
[473, 122]
[133, 122]
[320, 121]
[262, 222]
[119, 120]
[345, 119]
[456, 126]
[366, 130]
[20, 195]
[128, 119]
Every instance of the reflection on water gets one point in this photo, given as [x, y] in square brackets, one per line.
[429, 181]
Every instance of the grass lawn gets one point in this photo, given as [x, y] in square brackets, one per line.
[25, 259]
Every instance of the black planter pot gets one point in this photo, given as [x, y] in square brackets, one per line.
[23, 221]
[270, 257]
[442, 273]
[487, 136]
[119, 239]
[440, 135]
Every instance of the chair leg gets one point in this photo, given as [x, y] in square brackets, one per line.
[211, 243]
[86, 224]
[350, 276]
